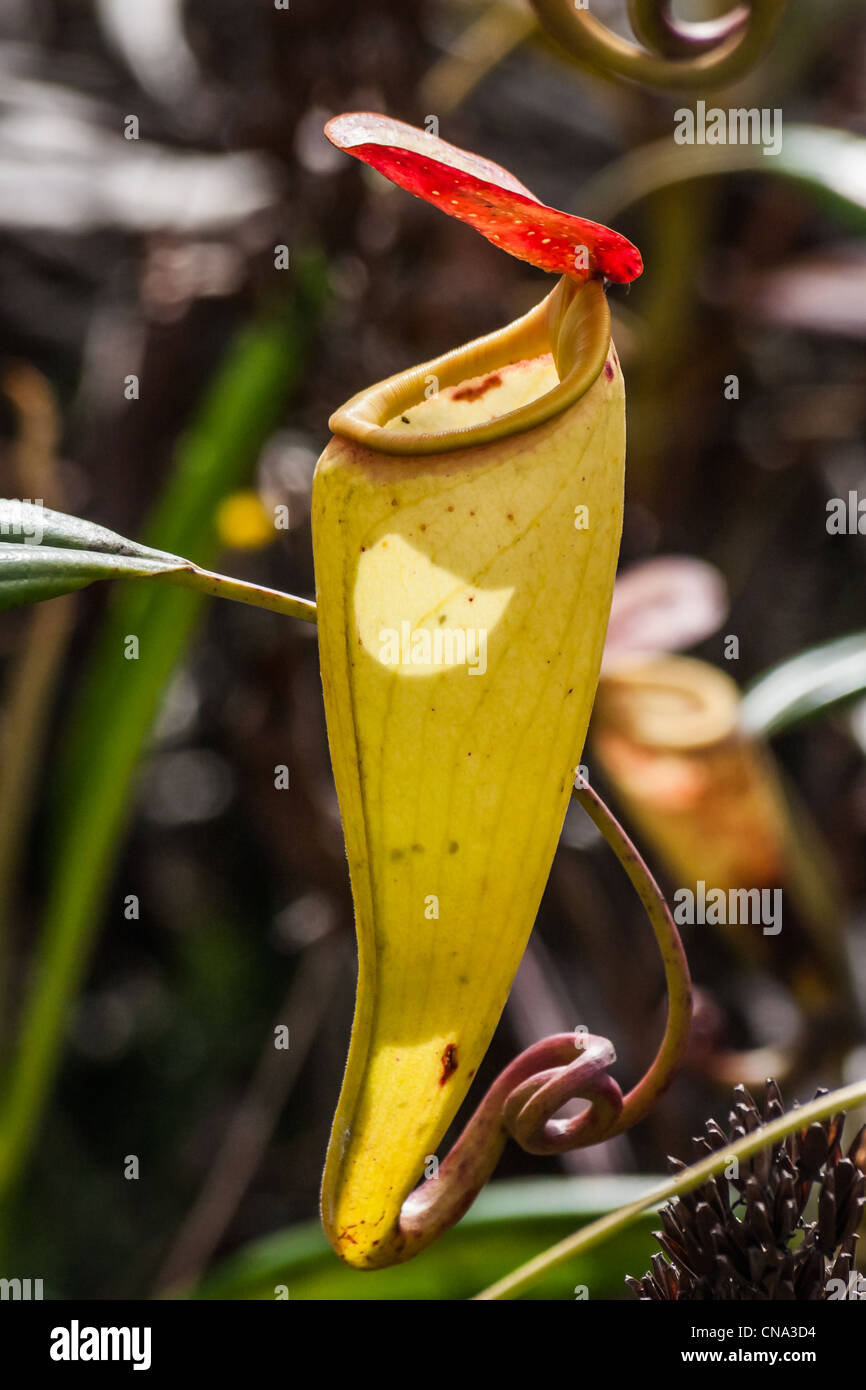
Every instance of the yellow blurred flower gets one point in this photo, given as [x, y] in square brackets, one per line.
[243, 523]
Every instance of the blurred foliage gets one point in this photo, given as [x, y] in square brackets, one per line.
[829, 164]
[158, 782]
[807, 685]
[118, 701]
[510, 1222]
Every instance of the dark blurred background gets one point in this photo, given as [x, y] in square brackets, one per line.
[155, 258]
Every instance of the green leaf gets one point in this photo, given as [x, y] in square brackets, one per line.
[509, 1222]
[23, 522]
[805, 686]
[44, 553]
[34, 571]
[31, 573]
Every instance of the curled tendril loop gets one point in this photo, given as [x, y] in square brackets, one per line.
[674, 53]
[522, 1103]
[656, 27]
[529, 1109]
[524, 1099]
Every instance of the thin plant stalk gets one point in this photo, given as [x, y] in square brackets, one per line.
[586, 1239]
[215, 585]
[646, 1093]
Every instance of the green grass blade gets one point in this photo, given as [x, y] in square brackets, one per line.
[119, 699]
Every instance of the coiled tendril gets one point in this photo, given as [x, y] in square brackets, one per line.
[675, 52]
[525, 1097]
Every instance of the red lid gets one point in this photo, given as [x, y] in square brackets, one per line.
[491, 200]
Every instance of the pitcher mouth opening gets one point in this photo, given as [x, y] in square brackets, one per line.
[503, 384]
